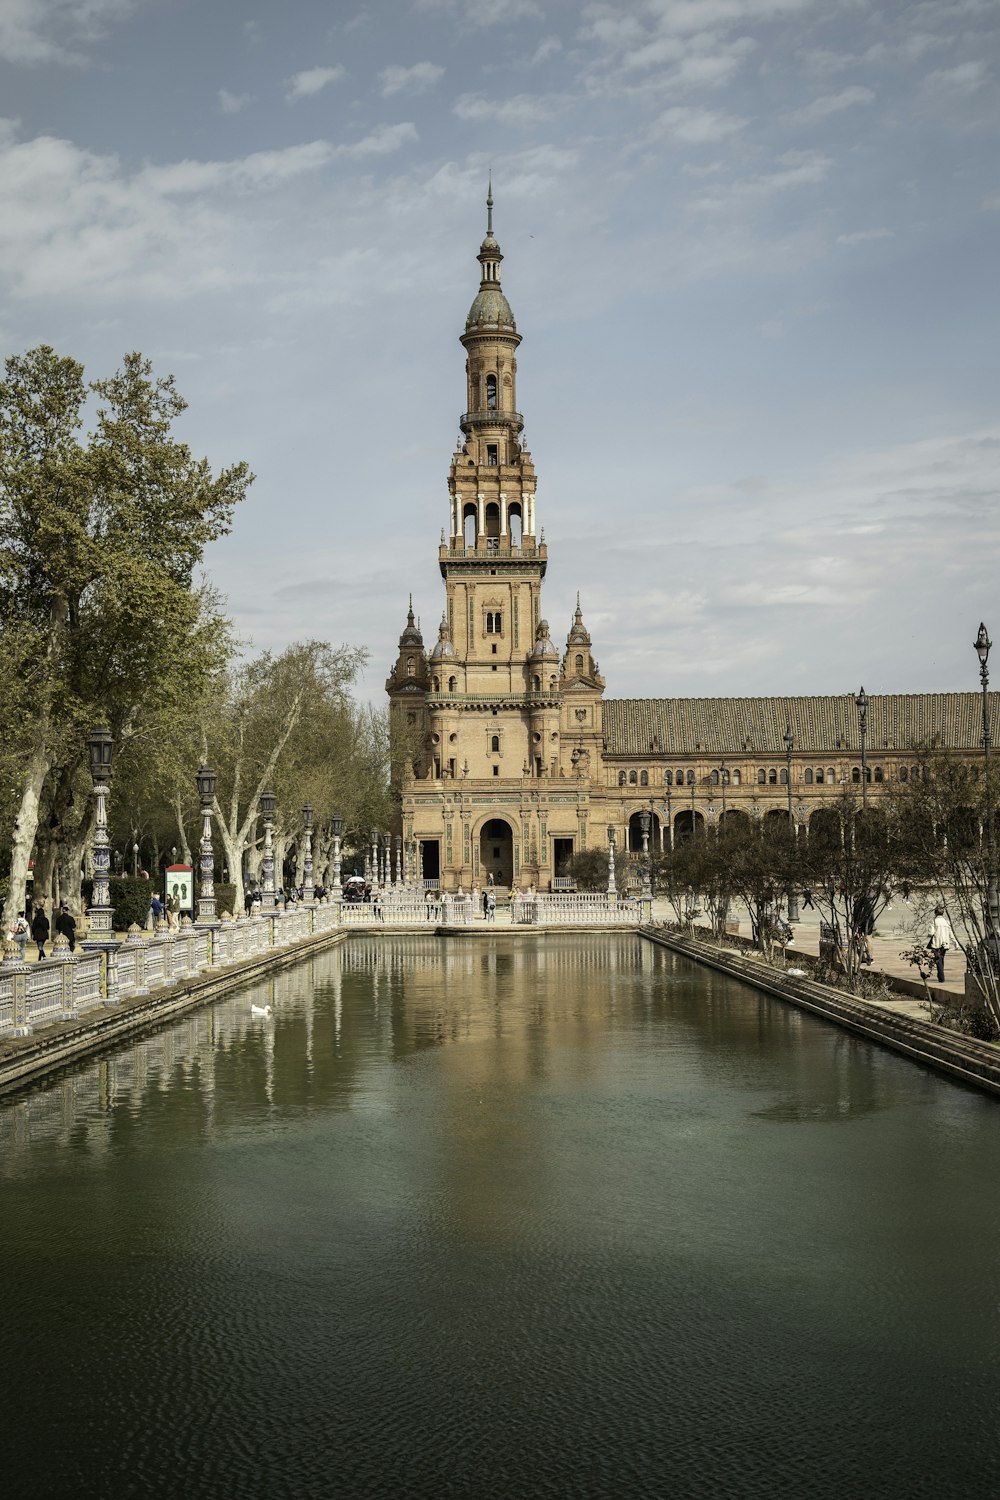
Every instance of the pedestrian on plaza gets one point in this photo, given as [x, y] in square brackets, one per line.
[40, 929]
[486, 900]
[173, 908]
[20, 932]
[156, 909]
[66, 924]
[377, 911]
[247, 900]
[941, 939]
[491, 906]
[906, 892]
[807, 898]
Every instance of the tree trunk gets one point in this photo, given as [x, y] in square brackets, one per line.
[25, 828]
[75, 851]
[186, 856]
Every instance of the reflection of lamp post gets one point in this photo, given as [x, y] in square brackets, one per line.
[268, 803]
[308, 889]
[611, 860]
[861, 702]
[793, 900]
[206, 894]
[102, 934]
[983, 644]
[336, 827]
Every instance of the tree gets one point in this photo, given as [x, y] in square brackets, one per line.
[589, 869]
[99, 540]
[943, 814]
[850, 862]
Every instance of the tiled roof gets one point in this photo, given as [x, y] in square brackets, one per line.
[640, 727]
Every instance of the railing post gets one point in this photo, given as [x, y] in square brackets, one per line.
[18, 973]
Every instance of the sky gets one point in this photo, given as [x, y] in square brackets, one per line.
[751, 247]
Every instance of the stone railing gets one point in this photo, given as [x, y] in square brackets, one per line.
[66, 984]
[580, 908]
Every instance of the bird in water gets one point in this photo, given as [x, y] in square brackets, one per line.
[260, 1010]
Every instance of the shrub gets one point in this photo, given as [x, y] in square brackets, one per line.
[225, 895]
[130, 899]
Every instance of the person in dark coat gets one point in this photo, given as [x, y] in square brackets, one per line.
[66, 924]
[40, 928]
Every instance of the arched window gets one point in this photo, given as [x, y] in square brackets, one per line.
[514, 525]
[491, 393]
[903, 773]
[411, 668]
[495, 744]
[536, 682]
[644, 778]
[435, 685]
[830, 778]
[714, 778]
[621, 778]
[772, 777]
[690, 778]
[668, 778]
[631, 778]
[469, 525]
[808, 776]
[784, 776]
[451, 684]
[579, 663]
[737, 778]
[856, 775]
[879, 774]
[762, 777]
[819, 776]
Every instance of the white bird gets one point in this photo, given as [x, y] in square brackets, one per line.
[259, 1010]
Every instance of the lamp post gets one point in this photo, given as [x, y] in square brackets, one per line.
[861, 702]
[135, 861]
[645, 821]
[336, 828]
[268, 803]
[693, 823]
[983, 644]
[723, 782]
[308, 888]
[399, 877]
[101, 936]
[793, 900]
[373, 879]
[205, 780]
[611, 860]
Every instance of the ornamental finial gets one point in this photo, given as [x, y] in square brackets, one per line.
[489, 204]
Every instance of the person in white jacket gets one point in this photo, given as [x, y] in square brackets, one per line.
[942, 938]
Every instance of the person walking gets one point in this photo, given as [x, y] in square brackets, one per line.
[942, 938]
[807, 898]
[40, 929]
[66, 924]
[491, 905]
[20, 933]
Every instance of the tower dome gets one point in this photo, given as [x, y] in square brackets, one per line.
[442, 646]
[490, 308]
[544, 646]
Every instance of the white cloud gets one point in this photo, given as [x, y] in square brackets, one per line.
[964, 78]
[550, 47]
[413, 80]
[861, 236]
[831, 104]
[486, 12]
[522, 109]
[793, 169]
[311, 81]
[231, 104]
[697, 127]
[41, 31]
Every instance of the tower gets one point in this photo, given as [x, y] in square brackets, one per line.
[495, 707]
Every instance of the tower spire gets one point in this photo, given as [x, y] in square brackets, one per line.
[489, 204]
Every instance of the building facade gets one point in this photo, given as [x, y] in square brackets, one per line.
[514, 760]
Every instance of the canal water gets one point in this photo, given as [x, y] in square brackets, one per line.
[533, 1216]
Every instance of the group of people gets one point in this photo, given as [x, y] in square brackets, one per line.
[40, 929]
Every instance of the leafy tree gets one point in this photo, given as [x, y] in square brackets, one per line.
[850, 861]
[99, 540]
[589, 869]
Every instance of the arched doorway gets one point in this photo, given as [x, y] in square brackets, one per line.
[496, 852]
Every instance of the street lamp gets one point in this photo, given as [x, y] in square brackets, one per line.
[667, 808]
[983, 644]
[647, 885]
[723, 779]
[308, 888]
[101, 935]
[268, 803]
[205, 780]
[611, 859]
[793, 900]
[135, 861]
[861, 702]
[399, 878]
[336, 828]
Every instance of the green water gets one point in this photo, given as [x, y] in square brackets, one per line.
[539, 1217]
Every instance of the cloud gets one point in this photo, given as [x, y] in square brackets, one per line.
[697, 127]
[413, 80]
[45, 31]
[311, 81]
[831, 104]
[485, 12]
[861, 236]
[522, 109]
[793, 169]
[547, 48]
[965, 78]
[231, 104]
